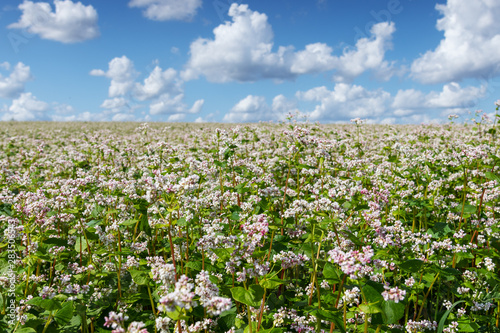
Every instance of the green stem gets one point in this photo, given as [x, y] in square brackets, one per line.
[425, 297]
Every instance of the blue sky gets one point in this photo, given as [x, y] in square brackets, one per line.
[387, 61]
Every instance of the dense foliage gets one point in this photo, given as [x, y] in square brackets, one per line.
[289, 227]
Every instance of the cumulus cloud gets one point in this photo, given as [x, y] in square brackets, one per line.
[122, 73]
[368, 55]
[470, 45]
[164, 10]
[12, 85]
[84, 116]
[242, 50]
[69, 23]
[168, 104]
[26, 108]
[452, 96]
[255, 108]
[162, 89]
[156, 83]
[347, 101]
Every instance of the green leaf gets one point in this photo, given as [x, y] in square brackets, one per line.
[271, 283]
[466, 208]
[182, 222]
[372, 292]
[331, 273]
[93, 223]
[235, 216]
[196, 265]
[140, 277]
[353, 238]
[445, 316]
[331, 316]
[129, 222]
[468, 327]
[56, 241]
[370, 308]
[64, 315]
[393, 311]
[412, 265]
[492, 176]
[272, 330]
[35, 301]
[26, 330]
[305, 166]
[254, 328]
[80, 240]
[253, 296]
[50, 304]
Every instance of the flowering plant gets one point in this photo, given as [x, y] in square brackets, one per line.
[289, 227]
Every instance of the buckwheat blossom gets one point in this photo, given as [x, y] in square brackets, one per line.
[354, 262]
[48, 292]
[410, 282]
[209, 295]
[350, 297]
[182, 296]
[137, 327]
[116, 321]
[452, 328]
[490, 265]
[163, 324]
[419, 326]
[393, 294]
[289, 259]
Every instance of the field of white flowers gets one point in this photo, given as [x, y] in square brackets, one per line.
[290, 227]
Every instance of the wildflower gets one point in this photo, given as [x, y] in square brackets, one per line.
[393, 294]
[289, 259]
[410, 282]
[452, 328]
[116, 321]
[182, 296]
[354, 263]
[162, 324]
[490, 265]
[209, 295]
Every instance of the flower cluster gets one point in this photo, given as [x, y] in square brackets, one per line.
[353, 263]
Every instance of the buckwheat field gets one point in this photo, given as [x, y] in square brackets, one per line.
[288, 227]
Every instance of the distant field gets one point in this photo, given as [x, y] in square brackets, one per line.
[290, 227]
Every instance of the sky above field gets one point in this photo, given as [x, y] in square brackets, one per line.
[386, 61]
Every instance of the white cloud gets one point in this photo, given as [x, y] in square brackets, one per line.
[452, 96]
[242, 50]
[368, 54]
[470, 45]
[26, 108]
[116, 104]
[254, 108]
[84, 116]
[346, 101]
[123, 117]
[122, 74]
[283, 106]
[157, 83]
[171, 104]
[63, 109]
[176, 117]
[13, 85]
[163, 10]
[70, 23]
[162, 89]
